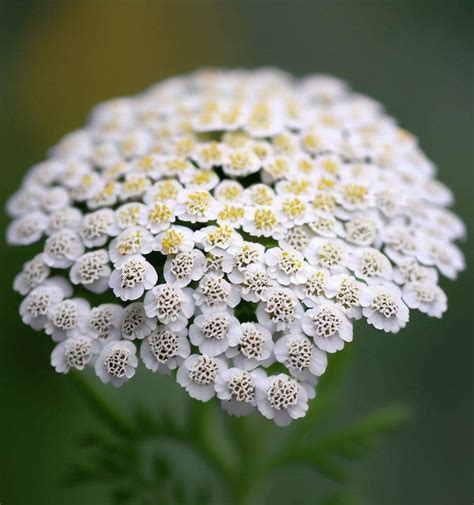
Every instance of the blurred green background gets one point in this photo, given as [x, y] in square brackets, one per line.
[57, 59]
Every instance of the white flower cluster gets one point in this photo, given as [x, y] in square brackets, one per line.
[232, 225]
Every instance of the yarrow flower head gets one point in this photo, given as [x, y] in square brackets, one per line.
[231, 242]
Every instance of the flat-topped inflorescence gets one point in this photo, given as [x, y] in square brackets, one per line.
[232, 225]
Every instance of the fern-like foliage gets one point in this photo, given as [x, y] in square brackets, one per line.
[204, 457]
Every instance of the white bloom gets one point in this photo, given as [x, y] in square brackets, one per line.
[236, 389]
[344, 290]
[328, 326]
[218, 239]
[69, 318]
[362, 230]
[164, 350]
[134, 186]
[74, 352]
[105, 322]
[292, 193]
[251, 347]
[426, 297]
[45, 173]
[300, 356]
[254, 281]
[35, 308]
[248, 254]
[133, 278]
[409, 270]
[62, 249]
[281, 398]
[312, 291]
[279, 309]
[215, 262]
[297, 238]
[383, 307]
[135, 323]
[117, 362]
[262, 221]
[33, 274]
[229, 191]
[131, 242]
[277, 167]
[286, 266]
[177, 166]
[26, 200]
[241, 162]
[449, 225]
[230, 214]
[88, 186]
[174, 240]
[446, 257]
[98, 227]
[214, 293]
[198, 374]
[74, 145]
[399, 243]
[354, 196]
[184, 267]
[260, 194]
[107, 197]
[27, 229]
[326, 225]
[296, 202]
[172, 306]
[213, 332]
[196, 206]
[326, 253]
[265, 119]
[160, 216]
[92, 270]
[69, 217]
[166, 190]
[293, 211]
[131, 214]
[370, 265]
[210, 154]
[54, 200]
[73, 172]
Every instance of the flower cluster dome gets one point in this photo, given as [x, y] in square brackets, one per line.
[229, 227]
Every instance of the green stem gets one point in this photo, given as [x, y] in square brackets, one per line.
[248, 484]
[100, 406]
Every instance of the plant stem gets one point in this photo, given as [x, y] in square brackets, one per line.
[100, 406]
[248, 485]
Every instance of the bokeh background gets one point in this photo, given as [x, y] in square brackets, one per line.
[57, 59]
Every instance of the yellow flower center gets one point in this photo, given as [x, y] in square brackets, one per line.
[293, 207]
[265, 219]
[202, 177]
[330, 166]
[212, 153]
[220, 237]
[160, 213]
[171, 241]
[198, 203]
[231, 213]
[130, 244]
[355, 193]
[146, 164]
[262, 196]
[325, 183]
[167, 190]
[231, 192]
[177, 165]
[324, 201]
